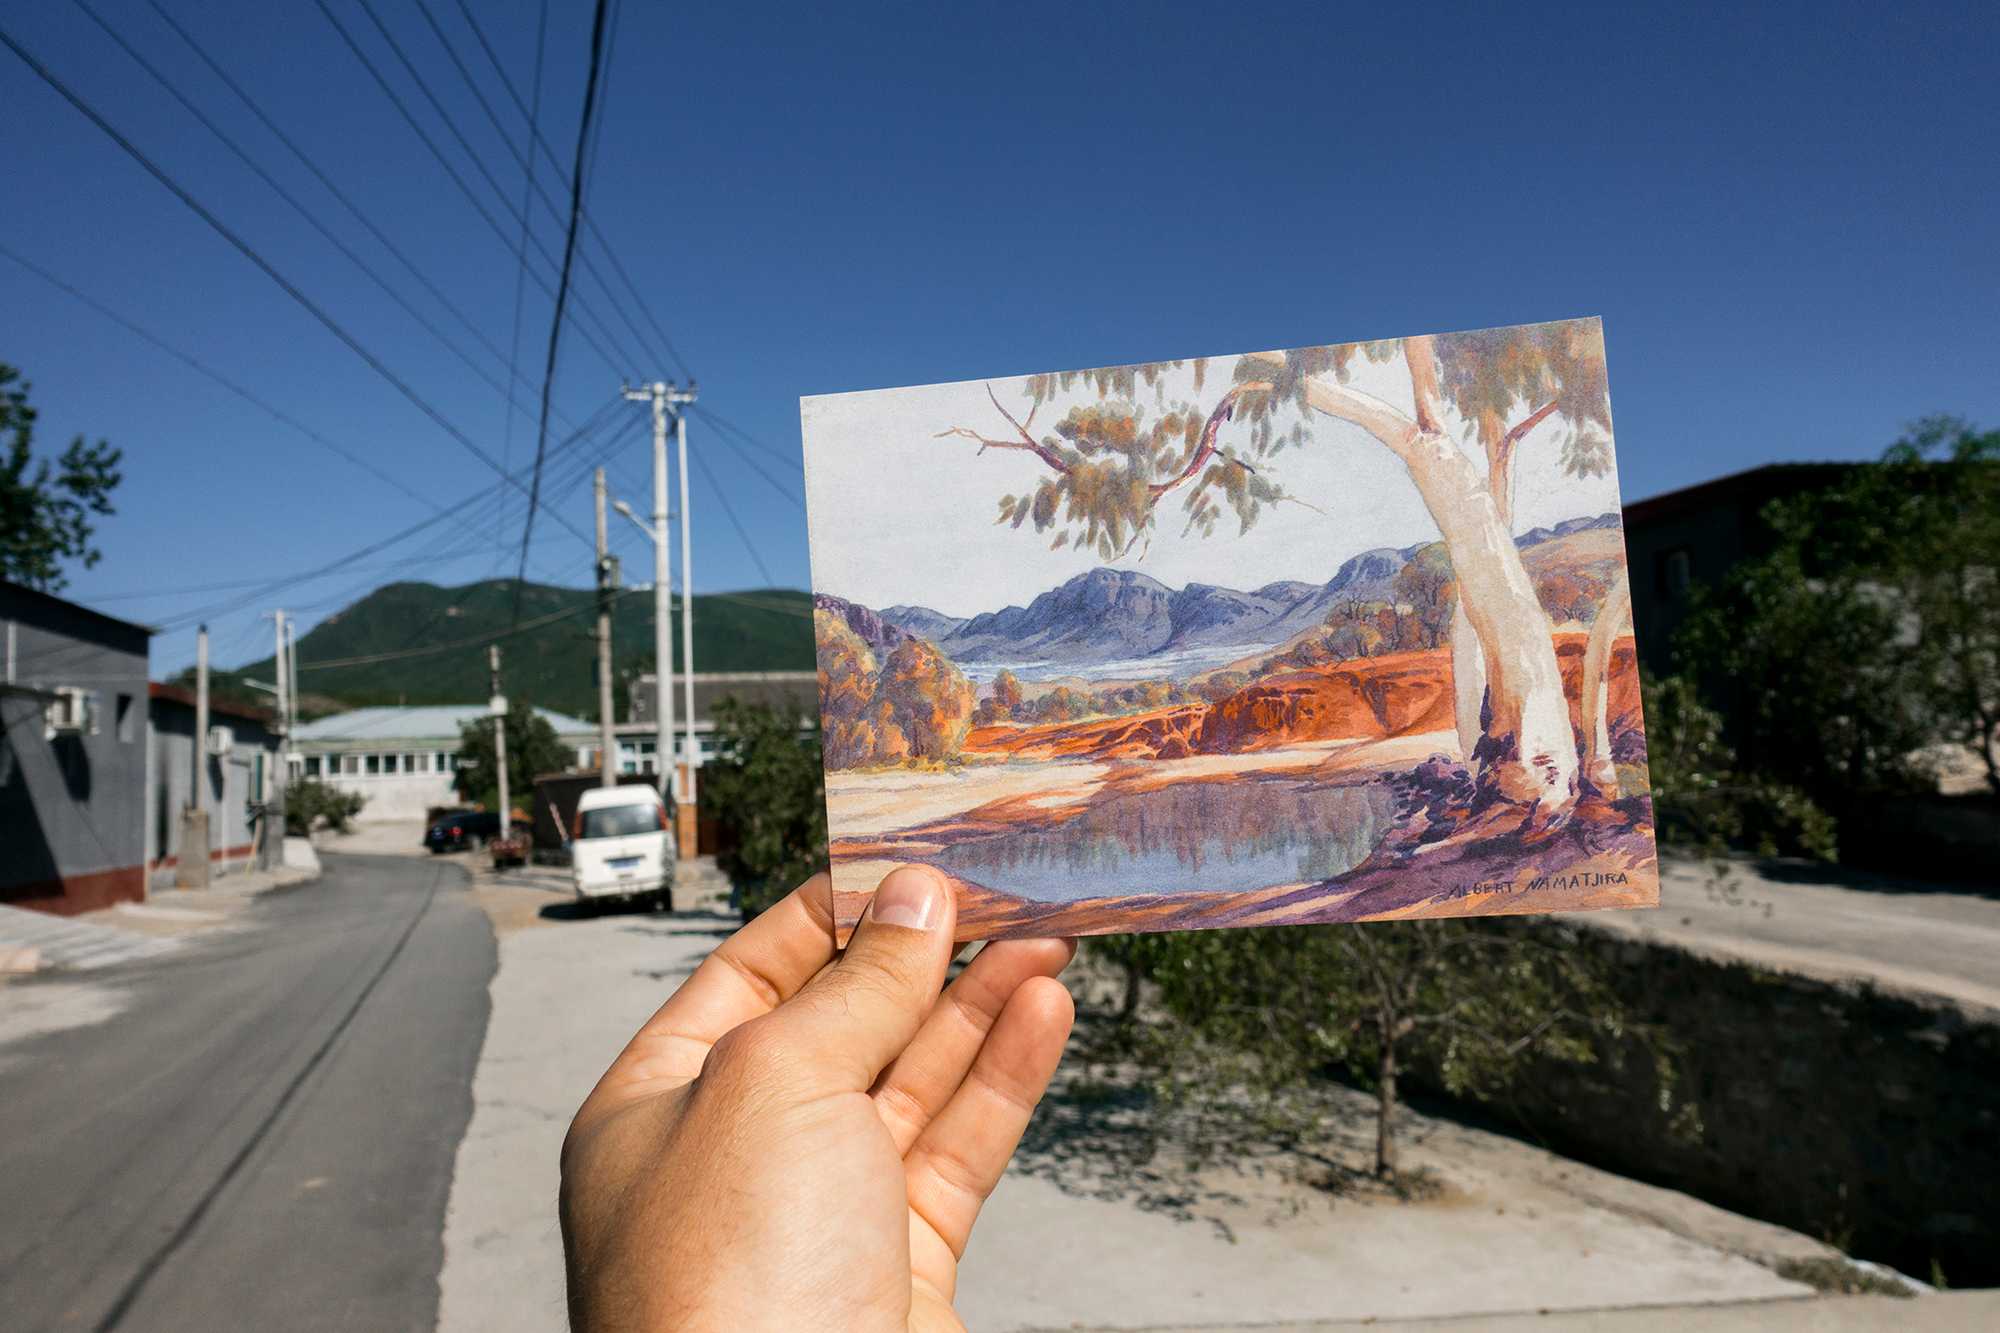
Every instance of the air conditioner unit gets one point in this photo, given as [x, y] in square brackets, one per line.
[221, 742]
[70, 711]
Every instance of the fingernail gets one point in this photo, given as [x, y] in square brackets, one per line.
[909, 897]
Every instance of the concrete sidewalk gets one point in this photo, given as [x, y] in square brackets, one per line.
[1515, 1229]
[1950, 1312]
[1899, 936]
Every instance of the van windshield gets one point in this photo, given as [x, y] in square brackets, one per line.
[614, 821]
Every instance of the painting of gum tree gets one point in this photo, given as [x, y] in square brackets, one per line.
[1109, 473]
[1334, 633]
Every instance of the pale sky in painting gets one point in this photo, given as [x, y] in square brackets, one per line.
[899, 517]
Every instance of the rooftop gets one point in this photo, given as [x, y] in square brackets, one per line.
[436, 721]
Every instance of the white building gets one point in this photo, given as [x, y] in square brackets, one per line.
[405, 760]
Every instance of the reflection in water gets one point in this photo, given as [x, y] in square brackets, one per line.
[1216, 837]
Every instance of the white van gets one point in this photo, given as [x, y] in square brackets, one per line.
[620, 848]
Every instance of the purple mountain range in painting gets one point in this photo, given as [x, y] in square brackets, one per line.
[1108, 615]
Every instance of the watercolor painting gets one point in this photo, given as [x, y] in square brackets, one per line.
[1329, 634]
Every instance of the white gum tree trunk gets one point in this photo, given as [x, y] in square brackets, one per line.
[1530, 716]
[1595, 696]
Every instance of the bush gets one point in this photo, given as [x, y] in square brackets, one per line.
[308, 801]
[771, 789]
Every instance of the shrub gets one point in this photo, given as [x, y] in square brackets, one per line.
[308, 801]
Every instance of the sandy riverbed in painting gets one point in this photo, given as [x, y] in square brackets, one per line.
[1099, 761]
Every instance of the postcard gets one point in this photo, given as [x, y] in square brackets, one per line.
[1330, 634]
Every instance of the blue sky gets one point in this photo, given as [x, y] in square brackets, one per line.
[1786, 217]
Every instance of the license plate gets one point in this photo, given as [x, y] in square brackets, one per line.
[623, 863]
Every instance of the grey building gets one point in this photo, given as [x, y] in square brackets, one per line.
[239, 770]
[1694, 535]
[795, 692]
[73, 761]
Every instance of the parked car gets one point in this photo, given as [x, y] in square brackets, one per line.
[456, 830]
[620, 849]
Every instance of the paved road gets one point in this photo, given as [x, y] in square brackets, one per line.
[263, 1134]
[1905, 936]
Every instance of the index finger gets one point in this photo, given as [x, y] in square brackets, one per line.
[747, 976]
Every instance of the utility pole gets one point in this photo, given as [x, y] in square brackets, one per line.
[192, 863]
[661, 395]
[273, 794]
[201, 719]
[499, 707]
[690, 828]
[607, 753]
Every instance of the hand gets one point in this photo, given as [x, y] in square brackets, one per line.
[801, 1140]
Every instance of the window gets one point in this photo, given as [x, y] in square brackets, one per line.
[617, 820]
[441, 762]
[1673, 574]
[312, 765]
[128, 719]
[374, 763]
[350, 764]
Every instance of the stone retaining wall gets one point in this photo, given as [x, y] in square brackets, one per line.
[1868, 1120]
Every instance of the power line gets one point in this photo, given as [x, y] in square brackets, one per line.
[521, 272]
[751, 463]
[456, 179]
[340, 195]
[734, 521]
[536, 140]
[525, 162]
[297, 206]
[48, 76]
[416, 77]
[789, 460]
[562, 287]
[219, 378]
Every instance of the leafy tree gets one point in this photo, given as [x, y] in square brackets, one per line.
[916, 707]
[533, 749]
[1426, 586]
[1871, 630]
[1109, 469]
[44, 513]
[1474, 1001]
[307, 801]
[770, 787]
[1699, 798]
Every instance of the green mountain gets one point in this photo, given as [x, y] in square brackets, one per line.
[419, 643]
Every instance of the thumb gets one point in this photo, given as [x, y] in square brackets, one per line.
[860, 1013]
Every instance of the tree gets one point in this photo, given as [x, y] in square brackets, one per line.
[770, 787]
[533, 749]
[1427, 587]
[1474, 1001]
[1006, 692]
[1870, 632]
[307, 801]
[928, 698]
[44, 513]
[1109, 470]
[1699, 798]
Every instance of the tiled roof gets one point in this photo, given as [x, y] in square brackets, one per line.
[431, 722]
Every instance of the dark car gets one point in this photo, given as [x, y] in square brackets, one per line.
[459, 829]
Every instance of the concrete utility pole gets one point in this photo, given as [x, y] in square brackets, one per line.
[690, 828]
[191, 863]
[499, 708]
[201, 719]
[661, 395]
[607, 754]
